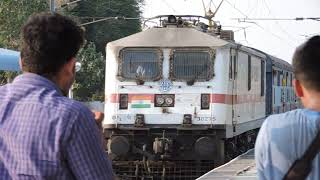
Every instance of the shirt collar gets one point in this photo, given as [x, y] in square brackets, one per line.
[35, 79]
[310, 112]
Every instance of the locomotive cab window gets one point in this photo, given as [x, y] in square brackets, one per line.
[140, 64]
[191, 65]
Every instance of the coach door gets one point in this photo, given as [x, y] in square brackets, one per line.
[233, 73]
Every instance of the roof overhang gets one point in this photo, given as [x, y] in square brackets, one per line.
[167, 38]
[9, 60]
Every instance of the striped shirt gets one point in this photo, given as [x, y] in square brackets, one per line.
[44, 135]
[284, 138]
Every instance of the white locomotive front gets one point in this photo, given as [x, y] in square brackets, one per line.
[180, 101]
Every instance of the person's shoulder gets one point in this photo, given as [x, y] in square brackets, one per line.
[7, 91]
[3, 89]
[284, 118]
[72, 105]
[71, 102]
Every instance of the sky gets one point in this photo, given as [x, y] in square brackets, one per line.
[278, 38]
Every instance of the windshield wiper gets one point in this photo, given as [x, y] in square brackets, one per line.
[139, 79]
[193, 80]
[139, 75]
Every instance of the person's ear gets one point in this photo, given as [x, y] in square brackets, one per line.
[297, 87]
[71, 66]
[20, 63]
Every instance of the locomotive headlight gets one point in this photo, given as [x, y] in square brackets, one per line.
[160, 100]
[169, 101]
[164, 100]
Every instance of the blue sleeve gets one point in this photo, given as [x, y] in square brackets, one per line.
[267, 157]
[260, 151]
[85, 153]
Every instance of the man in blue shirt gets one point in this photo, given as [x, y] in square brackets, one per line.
[43, 134]
[284, 138]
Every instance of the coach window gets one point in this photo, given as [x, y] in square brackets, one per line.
[140, 64]
[249, 72]
[274, 77]
[191, 65]
[230, 65]
[278, 78]
[287, 79]
[262, 77]
[283, 80]
[235, 70]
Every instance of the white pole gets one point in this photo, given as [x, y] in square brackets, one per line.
[52, 6]
[70, 95]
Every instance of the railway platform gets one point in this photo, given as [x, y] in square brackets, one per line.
[242, 167]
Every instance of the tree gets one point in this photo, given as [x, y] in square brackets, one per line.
[89, 84]
[103, 32]
[90, 80]
[13, 13]
[7, 76]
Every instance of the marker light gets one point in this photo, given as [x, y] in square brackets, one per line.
[123, 101]
[205, 101]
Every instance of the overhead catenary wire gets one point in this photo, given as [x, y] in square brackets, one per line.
[234, 7]
[212, 3]
[309, 35]
[70, 3]
[169, 6]
[270, 32]
[245, 19]
[110, 18]
[253, 7]
[96, 19]
[114, 11]
[255, 23]
[278, 19]
[279, 25]
[269, 19]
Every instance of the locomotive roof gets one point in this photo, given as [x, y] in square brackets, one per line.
[180, 37]
[282, 64]
[168, 37]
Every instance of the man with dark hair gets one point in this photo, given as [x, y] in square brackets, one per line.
[43, 134]
[284, 138]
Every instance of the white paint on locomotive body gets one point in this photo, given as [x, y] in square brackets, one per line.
[235, 89]
[251, 104]
[187, 98]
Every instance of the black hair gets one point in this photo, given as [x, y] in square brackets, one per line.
[49, 40]
[306, 63]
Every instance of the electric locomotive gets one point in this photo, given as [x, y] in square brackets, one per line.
[183, 98]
